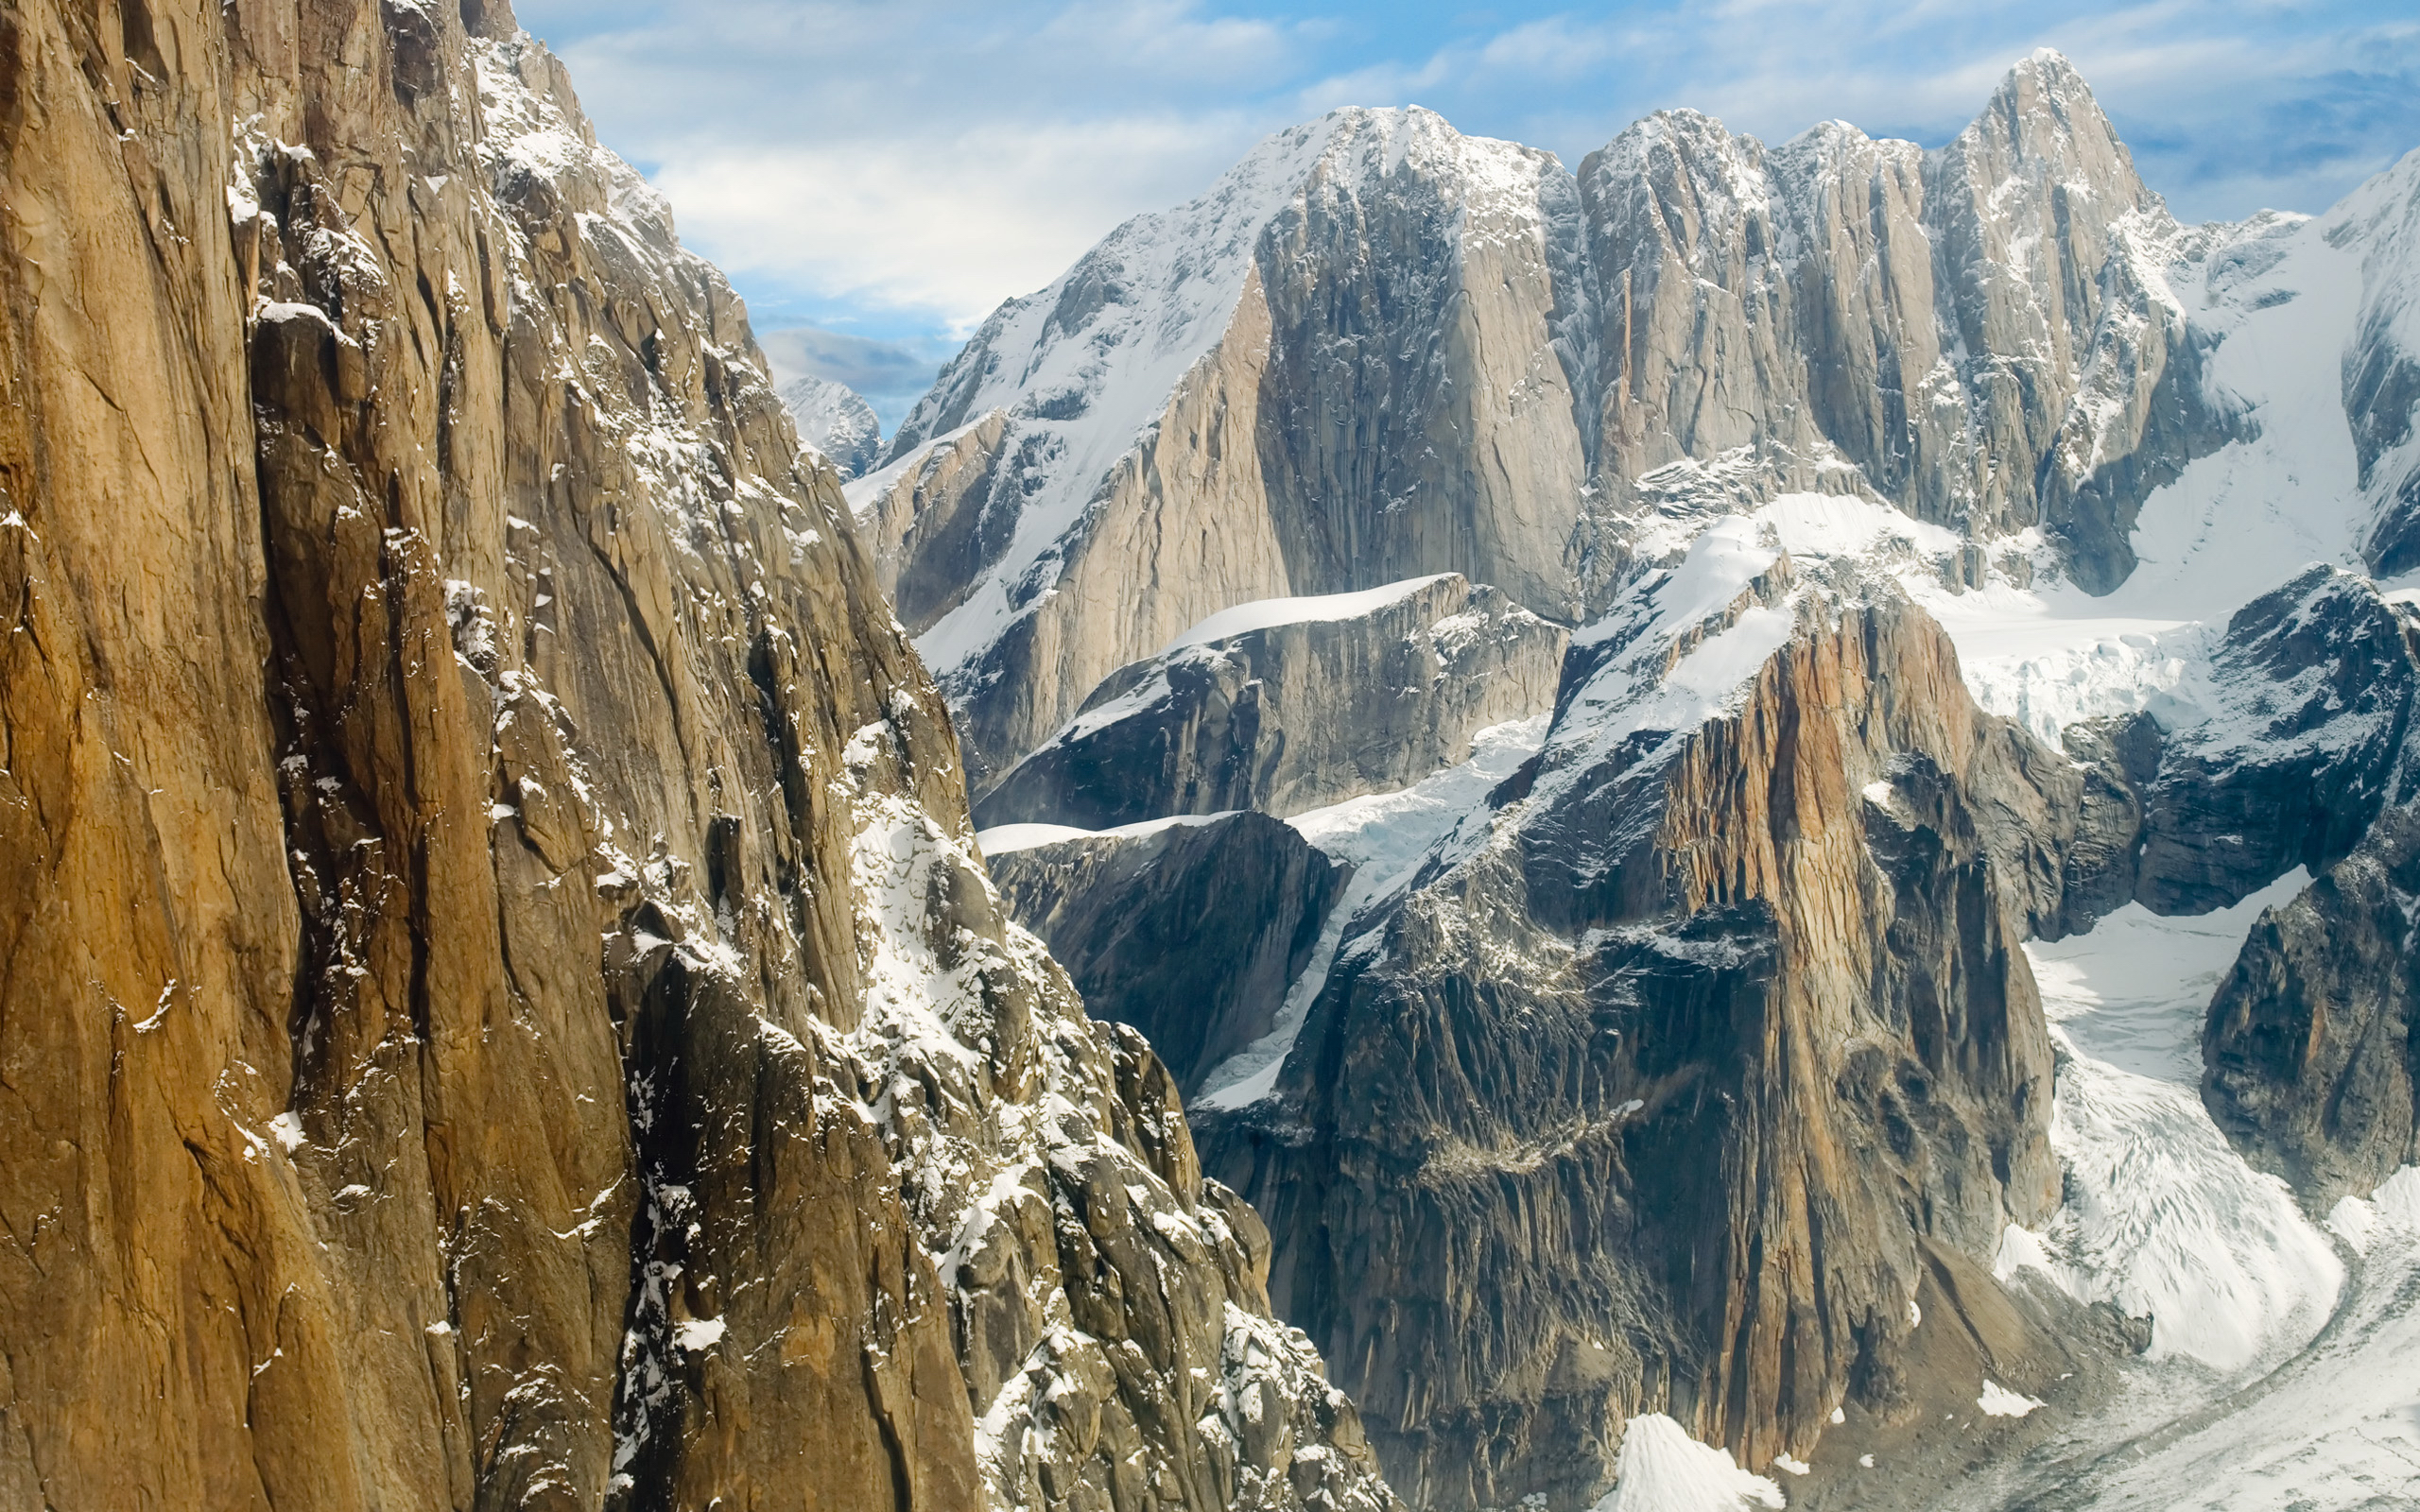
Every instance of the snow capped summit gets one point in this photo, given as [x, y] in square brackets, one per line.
[1139, 442]
[834, 421]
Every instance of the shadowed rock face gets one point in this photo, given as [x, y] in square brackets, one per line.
[503, 1008]
[2302, 745]
[1646, 1098]
[1191, 933]
[2310, 1048]
[1294, 716]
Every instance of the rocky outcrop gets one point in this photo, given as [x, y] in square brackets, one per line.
[1290, 705]
[1846, 314]
[502, 1004]
[1190, 933]
[1377, 349]
[2310, 1048]
[930, 525]
[2279, 755]
[1193, 421]
[1650, 1092]
[2382, 363]
[836, 422]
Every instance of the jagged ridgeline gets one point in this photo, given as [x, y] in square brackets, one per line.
[1702, 621]
[501, 1007]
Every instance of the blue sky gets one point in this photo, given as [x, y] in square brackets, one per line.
[891, 171]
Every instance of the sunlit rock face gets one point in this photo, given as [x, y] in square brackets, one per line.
[504, 1008]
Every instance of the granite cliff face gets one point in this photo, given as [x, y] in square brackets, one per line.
[1378, 350]
[1649, 1093]
[503, 1006]
[2310, 1047]
[1190, 931]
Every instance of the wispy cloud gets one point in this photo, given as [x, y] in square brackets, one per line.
[897, 169]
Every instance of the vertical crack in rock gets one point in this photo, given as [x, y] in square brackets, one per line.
[502, 1010]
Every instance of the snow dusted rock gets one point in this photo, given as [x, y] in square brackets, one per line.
[2278, 754]
[832, 419]
[1193, 417]
[2310, 1046]
[503, 1006]
[2309, 704]
[1290, 705]
[1856, 316]
[1378, 350]
[1716, 1006]
[1189, 931]
[2382, 365]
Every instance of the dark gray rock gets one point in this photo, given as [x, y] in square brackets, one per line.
[2382, 366]
[1191, 933]
[1654, 1099]
[2310, 701]
[2309, 1051]
[1293, 716]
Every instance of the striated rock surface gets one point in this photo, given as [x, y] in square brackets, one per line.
[1377, 349]
[502, 1006]
[2310, 1050]
[1979, 335]
[1292, 705]
[834, 421]
[1649, 1091]
[1192, 418]
[1191, 931]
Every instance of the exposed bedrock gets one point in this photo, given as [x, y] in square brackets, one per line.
[1191, 933]
[2310, 1050]
[2382, 365]
[2281, 757]
[1647, 1098]
[501, 1005]
[1378, 349]
[1293, 716]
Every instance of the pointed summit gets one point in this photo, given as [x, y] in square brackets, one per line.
[2044, 124]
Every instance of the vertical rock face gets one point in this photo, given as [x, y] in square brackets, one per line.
[1646, 1095]
[1292, 705]
[2282, 754]
[1277, 454]
[2382, 363]
[1378, 349]
[1978, 334]
[503, 1006]
[1191, 933]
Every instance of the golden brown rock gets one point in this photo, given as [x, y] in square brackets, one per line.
[500, 1009]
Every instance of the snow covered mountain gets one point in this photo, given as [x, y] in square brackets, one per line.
[834, 421]
[1378, 349]
[1985, 612]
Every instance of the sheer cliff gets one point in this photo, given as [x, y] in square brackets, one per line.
[1378, 349]
[502, 1006]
